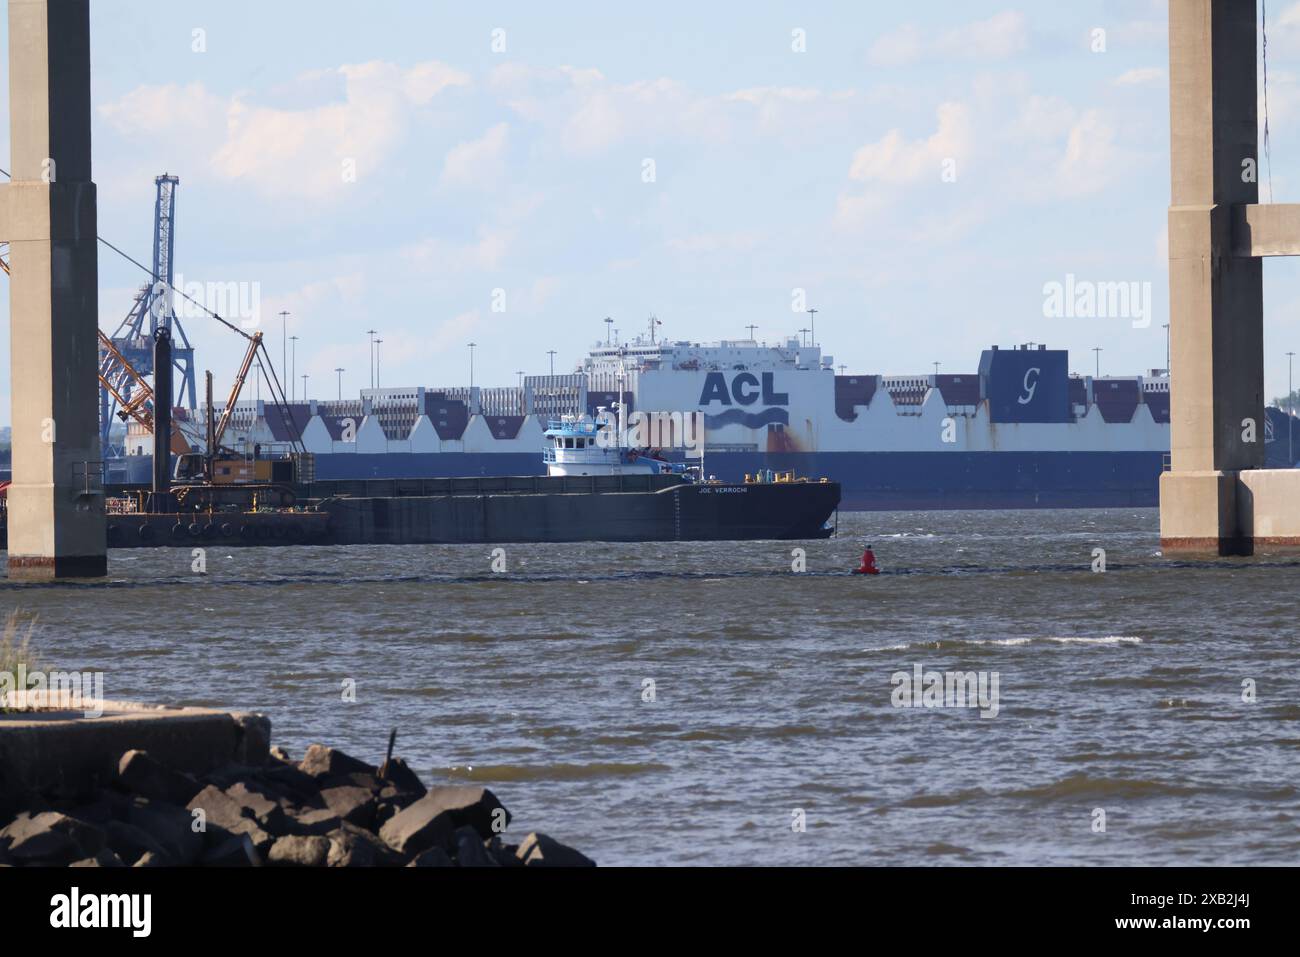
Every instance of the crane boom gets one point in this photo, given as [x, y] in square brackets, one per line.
[139, 405]
[254, 343]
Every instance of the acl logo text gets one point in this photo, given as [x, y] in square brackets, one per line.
[746, 389]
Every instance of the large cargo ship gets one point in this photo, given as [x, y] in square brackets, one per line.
[1016, 431]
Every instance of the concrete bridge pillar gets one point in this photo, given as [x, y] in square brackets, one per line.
[47, 213]
[1218, 498]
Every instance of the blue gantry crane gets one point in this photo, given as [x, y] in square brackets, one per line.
[131, 354]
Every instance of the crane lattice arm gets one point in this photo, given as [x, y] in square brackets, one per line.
[137, 407]
[254, 343]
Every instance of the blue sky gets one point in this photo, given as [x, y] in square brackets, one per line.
[775, 169]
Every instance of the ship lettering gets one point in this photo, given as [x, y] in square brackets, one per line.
[739, 383]
[742, 389]
[1030, 387]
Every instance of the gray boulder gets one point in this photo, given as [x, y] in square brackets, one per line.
[398, 773]
[139, 773]
[352, 846]
[225, 816]
[255, 802]
[322, 762]
[432, 820]
[50, 838]
[296, 850]
[318, 821]
[171, 827]
[538, 850]
[289, 783]
[353, 804]
[105, 858]
[470, 851]
[130, 843]
[264, 807]
[236, 850]
[218, 808]
[254, 742]
[433, 857]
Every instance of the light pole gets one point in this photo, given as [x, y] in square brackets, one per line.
[471, 364]
[520, 373]
[801, 338]
[812, 324]
[340, 372]
[751, 327]
[551, 353]
[371, 334]
[936, 370]
[293, 364]
[378, 343]
[1097, 351]
[304, 387]
[1290, 404]
[284, 331]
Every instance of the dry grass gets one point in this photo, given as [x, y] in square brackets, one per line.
[16, 645]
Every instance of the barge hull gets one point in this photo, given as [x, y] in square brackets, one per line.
[681, 512]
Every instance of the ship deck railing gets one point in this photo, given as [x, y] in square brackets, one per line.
[587, 427]
[488, 485]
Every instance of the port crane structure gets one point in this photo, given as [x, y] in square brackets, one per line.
[131, 355]
[127, 357]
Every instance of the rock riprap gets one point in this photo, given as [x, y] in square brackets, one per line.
[327, 810]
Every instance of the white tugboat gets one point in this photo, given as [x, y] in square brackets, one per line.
[579, 445]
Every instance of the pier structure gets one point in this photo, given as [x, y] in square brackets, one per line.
[47, 215]
[1218, 498]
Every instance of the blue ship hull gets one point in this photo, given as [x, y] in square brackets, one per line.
[870, 480]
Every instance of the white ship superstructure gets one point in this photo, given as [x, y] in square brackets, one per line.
[1015, 429]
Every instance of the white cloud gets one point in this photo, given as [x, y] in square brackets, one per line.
[479, 162]
[586, 114]
[289, 152]
[1148, 74]
[996, 38]
[1092, 159]
[439, 255]
[314, 296]
[448, 335]
[740, 241]
[1043, 118]
[892, 159]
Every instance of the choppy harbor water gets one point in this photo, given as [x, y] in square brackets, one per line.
[1120, 691]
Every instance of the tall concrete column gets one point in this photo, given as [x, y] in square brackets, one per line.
[1218, 498]
[1216, 300]
[47, 213]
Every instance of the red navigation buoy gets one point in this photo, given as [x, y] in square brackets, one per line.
[868, 566]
